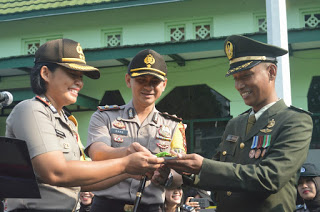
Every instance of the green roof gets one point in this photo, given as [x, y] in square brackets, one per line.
[22, 9]
[16, 6]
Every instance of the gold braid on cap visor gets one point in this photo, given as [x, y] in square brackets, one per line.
[146, 69]
[73, 60]
[247, 58]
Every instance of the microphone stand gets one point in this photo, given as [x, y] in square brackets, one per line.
[139, 193]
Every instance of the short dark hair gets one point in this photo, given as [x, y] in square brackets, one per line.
[38, 84]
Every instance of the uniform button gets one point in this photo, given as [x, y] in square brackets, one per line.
[117, 145]
[229, 193]
[66, 145]
[224, 152]
[242, 145]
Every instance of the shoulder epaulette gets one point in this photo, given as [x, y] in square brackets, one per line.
[173, 117]
[300, 110]
[247, 111]
[47, 103]
[108, 107]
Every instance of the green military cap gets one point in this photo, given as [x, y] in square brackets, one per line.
[148, 62]
[309, 170]
[245, 53]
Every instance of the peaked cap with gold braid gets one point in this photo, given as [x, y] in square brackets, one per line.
[245, 53]
[148, 62]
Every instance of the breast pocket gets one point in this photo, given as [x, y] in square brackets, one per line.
[227, 150]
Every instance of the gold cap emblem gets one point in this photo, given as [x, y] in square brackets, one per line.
[80, 51]
[149, 60]
[229, 50]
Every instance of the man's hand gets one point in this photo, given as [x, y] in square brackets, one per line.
[142, 162]
[136, 147]
[186, 163]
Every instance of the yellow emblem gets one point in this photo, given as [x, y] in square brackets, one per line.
[265, 130]
[229, 50]
[149, 60]
[80, 51]
[271, 123]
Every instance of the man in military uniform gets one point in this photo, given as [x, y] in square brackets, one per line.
[113, 128]
[262, 150]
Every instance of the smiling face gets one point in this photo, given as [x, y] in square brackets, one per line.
[257, 85]
[173, 196]
[86, 198]
[307, 188]
[63, 85]
[146, 89]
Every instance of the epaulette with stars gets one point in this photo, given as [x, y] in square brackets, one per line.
[300, 110]
[108, 107]
[173, 117]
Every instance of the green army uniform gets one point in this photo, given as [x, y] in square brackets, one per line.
[38, 123]
[257, 171]
[273, 175]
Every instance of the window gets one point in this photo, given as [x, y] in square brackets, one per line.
[260, 21]
[202, 30]
[112, 38]
[177, 33]
[31, 45]
[310, 18]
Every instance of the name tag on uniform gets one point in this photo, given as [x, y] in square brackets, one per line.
[118, 131]
[60, 133]
[232, 138]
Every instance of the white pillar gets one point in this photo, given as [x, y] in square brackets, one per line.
[278, 36]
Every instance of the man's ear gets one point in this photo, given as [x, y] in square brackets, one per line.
[44, 73]
[272, 72]
[128, 79]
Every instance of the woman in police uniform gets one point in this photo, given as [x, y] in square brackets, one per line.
[51, 135]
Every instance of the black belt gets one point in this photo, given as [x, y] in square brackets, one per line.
[112, 205]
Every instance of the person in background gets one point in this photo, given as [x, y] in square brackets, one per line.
[86, 199]
[308, 188]
[112, 130]
[173, 195]
[195, 193]
[52, 136]
[257, 164]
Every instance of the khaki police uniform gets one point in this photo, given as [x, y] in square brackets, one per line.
[119, 127]
[44, 130]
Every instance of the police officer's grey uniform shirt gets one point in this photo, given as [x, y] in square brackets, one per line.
[44, 131]
[104, 127]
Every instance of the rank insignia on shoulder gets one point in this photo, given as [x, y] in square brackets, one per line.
[46, 101]
[173, 117]
[108, 107]
[300, 110]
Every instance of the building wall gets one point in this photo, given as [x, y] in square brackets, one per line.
[147, 24]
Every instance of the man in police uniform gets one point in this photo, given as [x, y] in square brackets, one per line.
[257, 165]
[113, 128]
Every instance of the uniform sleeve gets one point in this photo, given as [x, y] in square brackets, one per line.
[30, 121]
[98, 130]
[284, 158]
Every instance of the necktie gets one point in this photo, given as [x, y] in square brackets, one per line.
[251, 121]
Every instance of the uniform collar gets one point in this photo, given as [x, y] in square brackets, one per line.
[152, 117]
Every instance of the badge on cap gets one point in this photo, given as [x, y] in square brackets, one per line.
[149, 60]
[229, 50]
[80, 51]
[302, 169]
